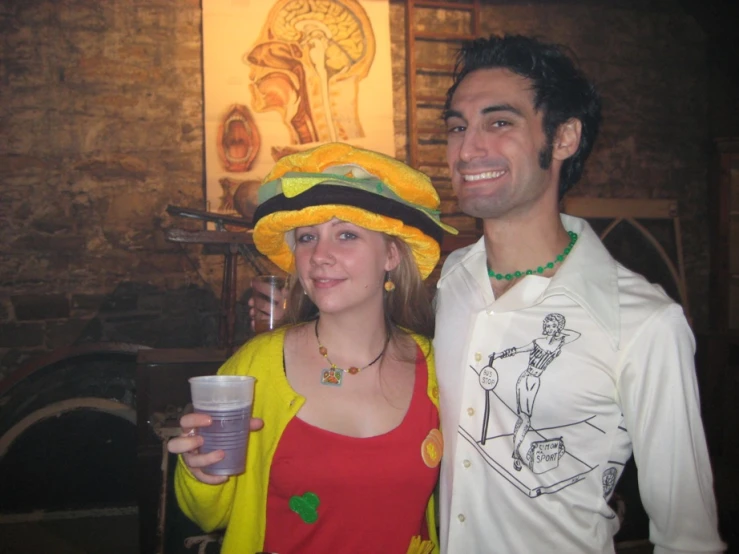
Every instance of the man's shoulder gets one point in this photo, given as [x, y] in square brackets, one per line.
[634, 287]
[645, 305]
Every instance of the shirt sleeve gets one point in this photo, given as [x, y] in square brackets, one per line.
[659, 398]
[207, 505]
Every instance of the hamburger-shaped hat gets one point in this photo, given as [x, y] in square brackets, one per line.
[340, 181]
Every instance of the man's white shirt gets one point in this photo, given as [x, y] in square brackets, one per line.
[544, 393]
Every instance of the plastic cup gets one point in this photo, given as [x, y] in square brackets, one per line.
[228, 400]
[269, 295]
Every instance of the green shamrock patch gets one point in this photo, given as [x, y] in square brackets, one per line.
[306, 506]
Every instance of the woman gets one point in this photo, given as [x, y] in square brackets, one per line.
[348, 457]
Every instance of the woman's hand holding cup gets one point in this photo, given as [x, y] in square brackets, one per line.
[189, 443]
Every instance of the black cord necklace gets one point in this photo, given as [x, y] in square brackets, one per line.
[334, 375]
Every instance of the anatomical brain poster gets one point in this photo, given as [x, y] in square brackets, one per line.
[286, 75]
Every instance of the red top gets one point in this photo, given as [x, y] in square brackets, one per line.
[332, 493]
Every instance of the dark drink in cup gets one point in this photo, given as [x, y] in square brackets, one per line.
[228, 400]
[268, 291]
[228, 432]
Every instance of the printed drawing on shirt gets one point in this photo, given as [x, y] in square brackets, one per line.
[535, 460]
[610, 477]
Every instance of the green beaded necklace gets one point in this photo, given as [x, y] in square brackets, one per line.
[541, 269]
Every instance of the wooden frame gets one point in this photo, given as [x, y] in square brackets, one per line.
[723, 212]
[413, 68]
[163, 393]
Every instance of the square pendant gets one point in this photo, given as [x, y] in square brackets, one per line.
[332, 377]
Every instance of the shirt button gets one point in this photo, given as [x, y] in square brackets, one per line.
[478, 356]
[466, 463]
[460, 517]
[470, 411]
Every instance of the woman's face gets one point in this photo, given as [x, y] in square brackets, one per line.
[342, 266]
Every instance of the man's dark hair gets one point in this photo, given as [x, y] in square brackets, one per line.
[560, 89]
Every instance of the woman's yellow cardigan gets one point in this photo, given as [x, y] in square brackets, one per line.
[240, 504]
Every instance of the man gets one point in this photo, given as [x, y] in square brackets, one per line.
[521, 121]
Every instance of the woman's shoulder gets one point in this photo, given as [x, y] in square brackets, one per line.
[256, 352]
[412, 345]
[424, 343]
[265, 341]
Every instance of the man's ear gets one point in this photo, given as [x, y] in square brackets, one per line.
[567, 139]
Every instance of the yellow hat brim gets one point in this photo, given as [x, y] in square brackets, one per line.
[269, 233]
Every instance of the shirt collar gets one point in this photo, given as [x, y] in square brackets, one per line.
[589, 276]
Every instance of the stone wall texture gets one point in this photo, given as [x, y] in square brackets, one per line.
[101, 126]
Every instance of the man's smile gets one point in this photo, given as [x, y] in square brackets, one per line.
[484, 175]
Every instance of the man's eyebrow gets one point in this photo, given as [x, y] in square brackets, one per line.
[502, 108]
[448, 114]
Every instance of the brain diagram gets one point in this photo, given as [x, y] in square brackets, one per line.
[307, 64]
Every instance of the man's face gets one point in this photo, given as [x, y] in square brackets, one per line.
[494, 141]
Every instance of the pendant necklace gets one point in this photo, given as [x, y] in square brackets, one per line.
[334, 375]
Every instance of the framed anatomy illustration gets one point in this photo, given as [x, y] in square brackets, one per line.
[286, 75]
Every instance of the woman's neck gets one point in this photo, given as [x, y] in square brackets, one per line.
[351, 338]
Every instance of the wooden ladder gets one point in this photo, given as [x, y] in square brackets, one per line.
[434, 31]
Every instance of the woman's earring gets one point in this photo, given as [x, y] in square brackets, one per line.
[389, 284]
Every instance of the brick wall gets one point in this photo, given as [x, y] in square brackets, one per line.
[102, 128]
